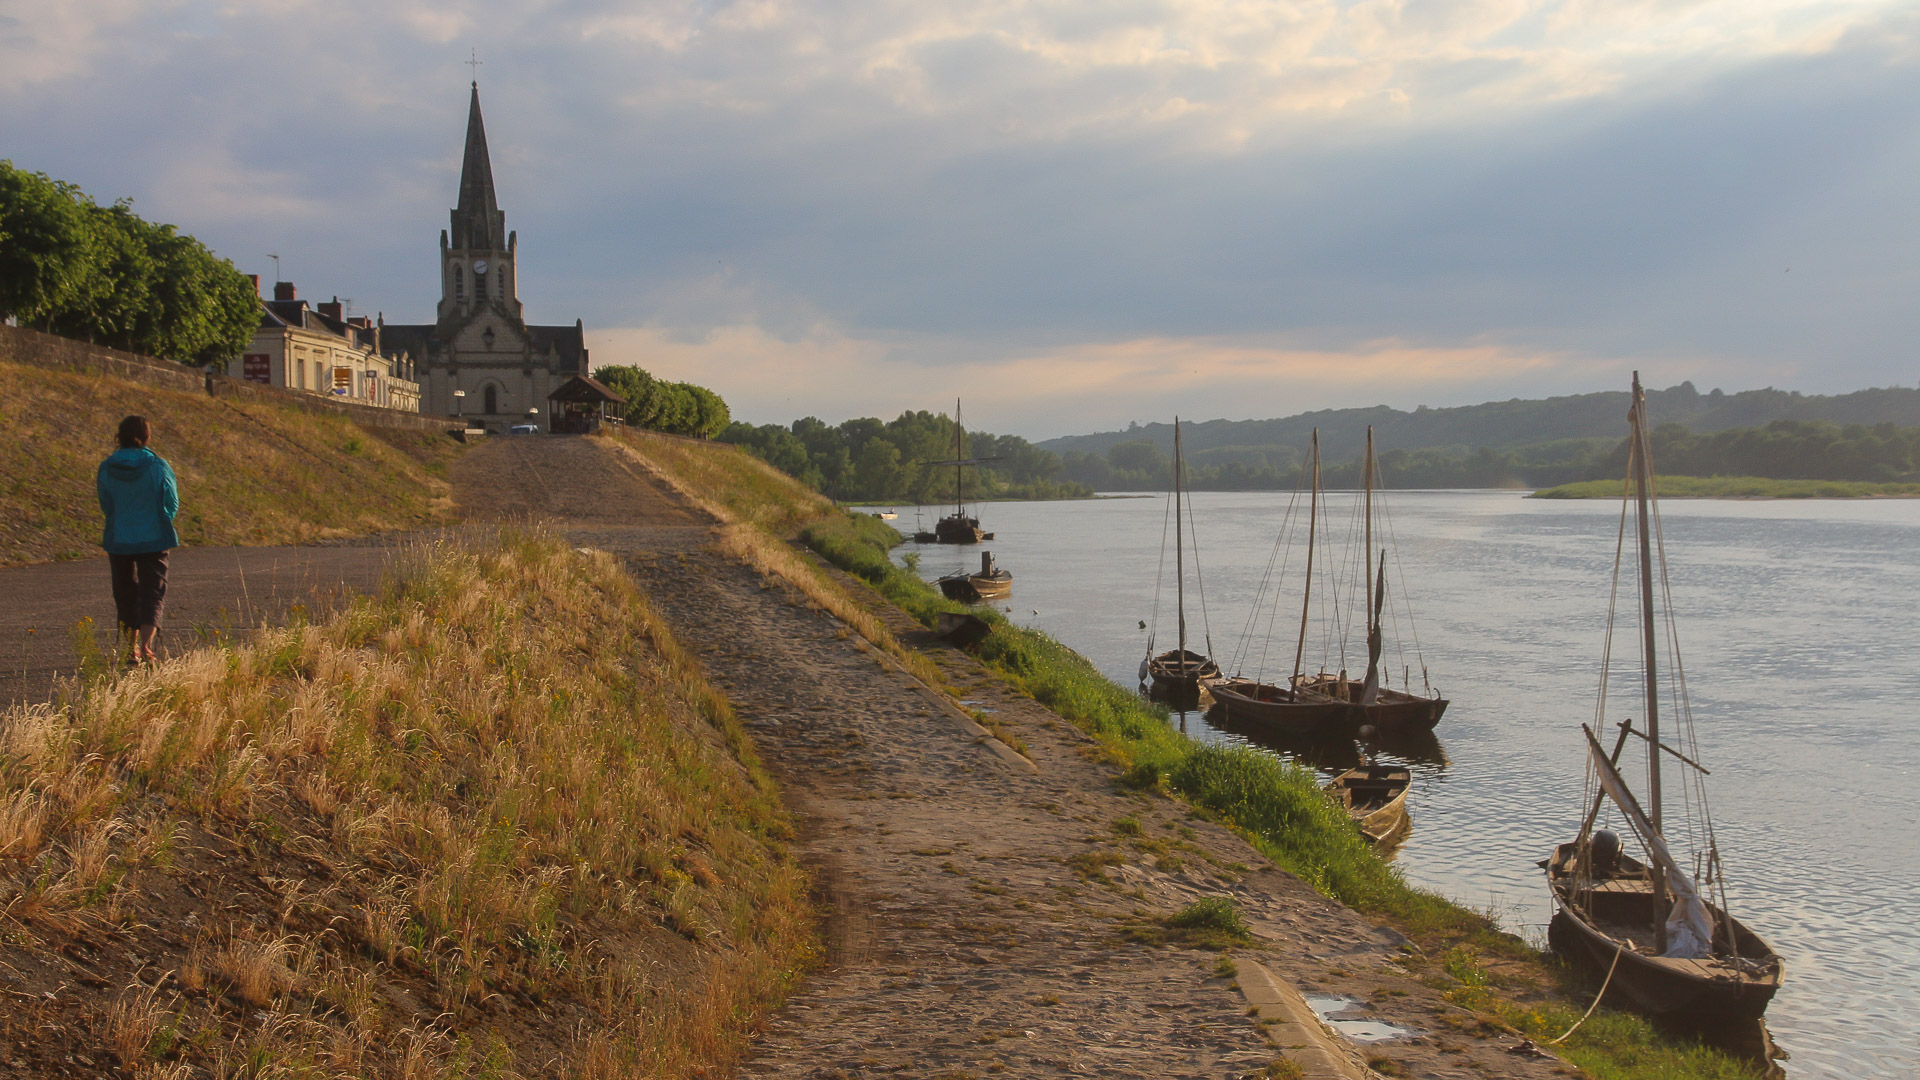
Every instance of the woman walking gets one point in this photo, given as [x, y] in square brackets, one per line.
[139, 499]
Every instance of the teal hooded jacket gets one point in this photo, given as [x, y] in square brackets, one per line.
[138, 496]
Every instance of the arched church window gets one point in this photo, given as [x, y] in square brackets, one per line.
[459, 283]
[492, 399]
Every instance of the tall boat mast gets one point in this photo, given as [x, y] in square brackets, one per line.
[1306, 595]
[1179, 547]
[1643, 482]
[1369, 528]
[959, 505]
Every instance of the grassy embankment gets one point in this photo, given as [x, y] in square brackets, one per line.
[491, 822]
[1735, 487]
[1276, 805]
[250, 472]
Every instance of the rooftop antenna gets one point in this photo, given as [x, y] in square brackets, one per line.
[474, 63]
[276, 267]
[346, 307]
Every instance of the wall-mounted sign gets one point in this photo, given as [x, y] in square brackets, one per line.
[343, 380]
[256, 367]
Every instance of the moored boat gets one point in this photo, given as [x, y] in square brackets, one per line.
[989, 583]
[1280, 707]
[1375, 797]
[1656, 930]
[957, 527]
[1178, 674]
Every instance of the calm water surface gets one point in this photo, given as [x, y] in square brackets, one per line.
[1796, 623]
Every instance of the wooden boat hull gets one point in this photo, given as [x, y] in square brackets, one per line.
[953, 529]
[1714, 990]
[1174, 672]
[973, 588]
[1276, 706]
[1394, 709]
[1375, 797]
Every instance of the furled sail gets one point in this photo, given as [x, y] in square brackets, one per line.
[1689, 924]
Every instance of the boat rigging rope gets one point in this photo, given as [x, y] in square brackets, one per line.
[1281, 543]
[1619, 947]
[1199, 580]
[1159, 577]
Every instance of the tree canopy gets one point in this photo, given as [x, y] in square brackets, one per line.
[673, 407]
[103, 273]
[893, 461]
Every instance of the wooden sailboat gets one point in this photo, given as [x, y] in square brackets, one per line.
[1179, 672]
[1652, 928]
[1382, 706]
[1287, 708]
[989, 583]
[1375, 797]
[957, 527]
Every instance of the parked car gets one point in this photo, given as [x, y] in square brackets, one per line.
[524, 429]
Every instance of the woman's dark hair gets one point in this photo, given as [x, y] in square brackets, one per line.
[134, 431]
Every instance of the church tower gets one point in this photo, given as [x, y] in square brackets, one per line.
[479, 359]
[476, 254]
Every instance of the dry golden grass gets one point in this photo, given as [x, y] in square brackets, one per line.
[496, 791]
[250, 472]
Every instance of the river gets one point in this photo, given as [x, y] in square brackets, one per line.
[1796, 622]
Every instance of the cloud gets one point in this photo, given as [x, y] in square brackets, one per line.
[885, 201]
[830, 373]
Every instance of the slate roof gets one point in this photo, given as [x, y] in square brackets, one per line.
[585, 388]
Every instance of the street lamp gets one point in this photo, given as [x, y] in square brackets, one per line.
[459, 406]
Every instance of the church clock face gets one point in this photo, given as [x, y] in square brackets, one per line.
[479, 266]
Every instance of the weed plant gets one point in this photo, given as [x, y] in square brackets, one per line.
[519, 800]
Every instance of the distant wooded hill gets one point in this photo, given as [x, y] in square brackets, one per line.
[1496, 425]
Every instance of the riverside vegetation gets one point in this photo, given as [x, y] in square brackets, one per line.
[1274, 804]
[492, 822]
[251, 471]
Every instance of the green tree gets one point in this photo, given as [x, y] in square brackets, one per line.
[45, 254]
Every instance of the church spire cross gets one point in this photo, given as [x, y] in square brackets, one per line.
[474, 64]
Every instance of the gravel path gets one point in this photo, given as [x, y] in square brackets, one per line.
[982, 918]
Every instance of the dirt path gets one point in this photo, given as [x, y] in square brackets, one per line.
[984, 918]
[211, 591]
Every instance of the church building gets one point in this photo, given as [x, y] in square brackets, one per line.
[481, 359]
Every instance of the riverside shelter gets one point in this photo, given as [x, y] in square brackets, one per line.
[580, 406]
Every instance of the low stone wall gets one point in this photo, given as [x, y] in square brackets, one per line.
[31, 347]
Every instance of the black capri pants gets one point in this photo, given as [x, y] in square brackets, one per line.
[139, 587]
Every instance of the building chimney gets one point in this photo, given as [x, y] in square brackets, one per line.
[283, 290]
[332, 310]
[255, 279]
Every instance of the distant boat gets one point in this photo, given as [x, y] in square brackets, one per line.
[1650, 928]
[1375, 797]
[1321, 700]
[957, 527]
[1382, 706]
[1179, 673]
[991, 583]
[885, 515]
[1286, 708]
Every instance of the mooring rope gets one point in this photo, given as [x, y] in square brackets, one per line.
[1618, 949]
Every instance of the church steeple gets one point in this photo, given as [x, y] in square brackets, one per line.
[478, 222]
[477, 253]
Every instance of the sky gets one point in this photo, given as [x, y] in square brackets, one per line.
[1070, 214]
